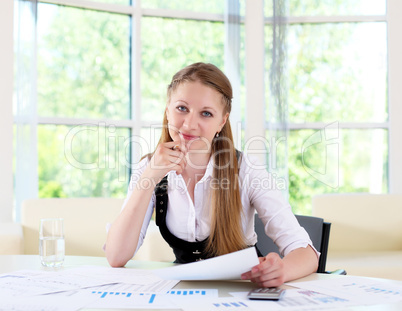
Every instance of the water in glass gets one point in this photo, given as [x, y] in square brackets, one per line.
[51, 251]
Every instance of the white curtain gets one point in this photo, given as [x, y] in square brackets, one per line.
[278, 89]
[25, 112]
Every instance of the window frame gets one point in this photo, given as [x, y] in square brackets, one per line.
[136, 12]
[335, 19]
[393, 179]
[394, 124]
[6, 110]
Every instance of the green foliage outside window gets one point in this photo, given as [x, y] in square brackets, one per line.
[84, 72]
[169, 45]
[83, 63]
[335, 72]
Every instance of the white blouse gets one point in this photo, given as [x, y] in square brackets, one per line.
[191, 221]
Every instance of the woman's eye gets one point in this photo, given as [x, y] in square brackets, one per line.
[207, 114]
[181, 108]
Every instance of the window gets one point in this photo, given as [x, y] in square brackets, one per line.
[103, 66]
[169, 44]
[98, 112]
[83, 94]
[336, 85]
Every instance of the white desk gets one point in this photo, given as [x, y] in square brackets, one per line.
[9, 263]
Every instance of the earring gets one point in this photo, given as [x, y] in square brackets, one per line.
[217, 135]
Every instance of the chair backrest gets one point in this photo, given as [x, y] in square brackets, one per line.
[317, 229]
[85, 222]
[154, 247]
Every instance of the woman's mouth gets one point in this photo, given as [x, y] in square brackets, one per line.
[188, 137]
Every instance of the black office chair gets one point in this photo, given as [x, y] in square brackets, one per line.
[316, 227]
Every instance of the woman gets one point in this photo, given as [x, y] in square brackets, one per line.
[205, 193]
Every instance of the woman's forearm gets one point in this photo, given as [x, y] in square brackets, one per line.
[299, 263]
[123, 236]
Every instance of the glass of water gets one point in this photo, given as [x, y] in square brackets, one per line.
[51, 242]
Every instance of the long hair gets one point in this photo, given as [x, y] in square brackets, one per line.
[226, 234]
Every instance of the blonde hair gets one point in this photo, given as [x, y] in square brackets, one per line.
[226, 234]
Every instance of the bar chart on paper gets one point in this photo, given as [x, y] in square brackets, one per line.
[218, 303]
[116, 299]
[230, 304]
[189, 293]
[127, 295]
[123, 299]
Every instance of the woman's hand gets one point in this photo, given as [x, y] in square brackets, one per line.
[269, 273]
[167, 157]
[273, 270]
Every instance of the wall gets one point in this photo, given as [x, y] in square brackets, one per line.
[395, 94]
[6, 113]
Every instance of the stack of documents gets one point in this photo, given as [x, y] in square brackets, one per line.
[103, 287]
[111, 288]
[73, 289]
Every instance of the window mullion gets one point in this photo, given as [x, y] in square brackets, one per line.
[341, 125]
[6, 111]
[254, 32]
[135, 96]
[394, 8]
[84, 121]
[232, 63]
[330, 19]
[179, 14]
[92, 5]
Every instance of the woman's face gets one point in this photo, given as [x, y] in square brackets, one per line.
[195, 114]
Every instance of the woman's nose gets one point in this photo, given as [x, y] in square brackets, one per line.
[190, 121]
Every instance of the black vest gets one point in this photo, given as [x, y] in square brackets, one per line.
[184, 251]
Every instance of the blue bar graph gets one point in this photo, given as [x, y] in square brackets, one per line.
[187, 292]
[149, 298]
[236, 304]
[104, 295]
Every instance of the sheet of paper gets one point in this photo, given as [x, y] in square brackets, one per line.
[363, 291]
[293, 299]
[161, 286]
[223, 303]
[37, 282]
[296, 299]
[67, 289]
[117, 275]
[169, 300]
[226, 267]
[29, 283]
[69, 301]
